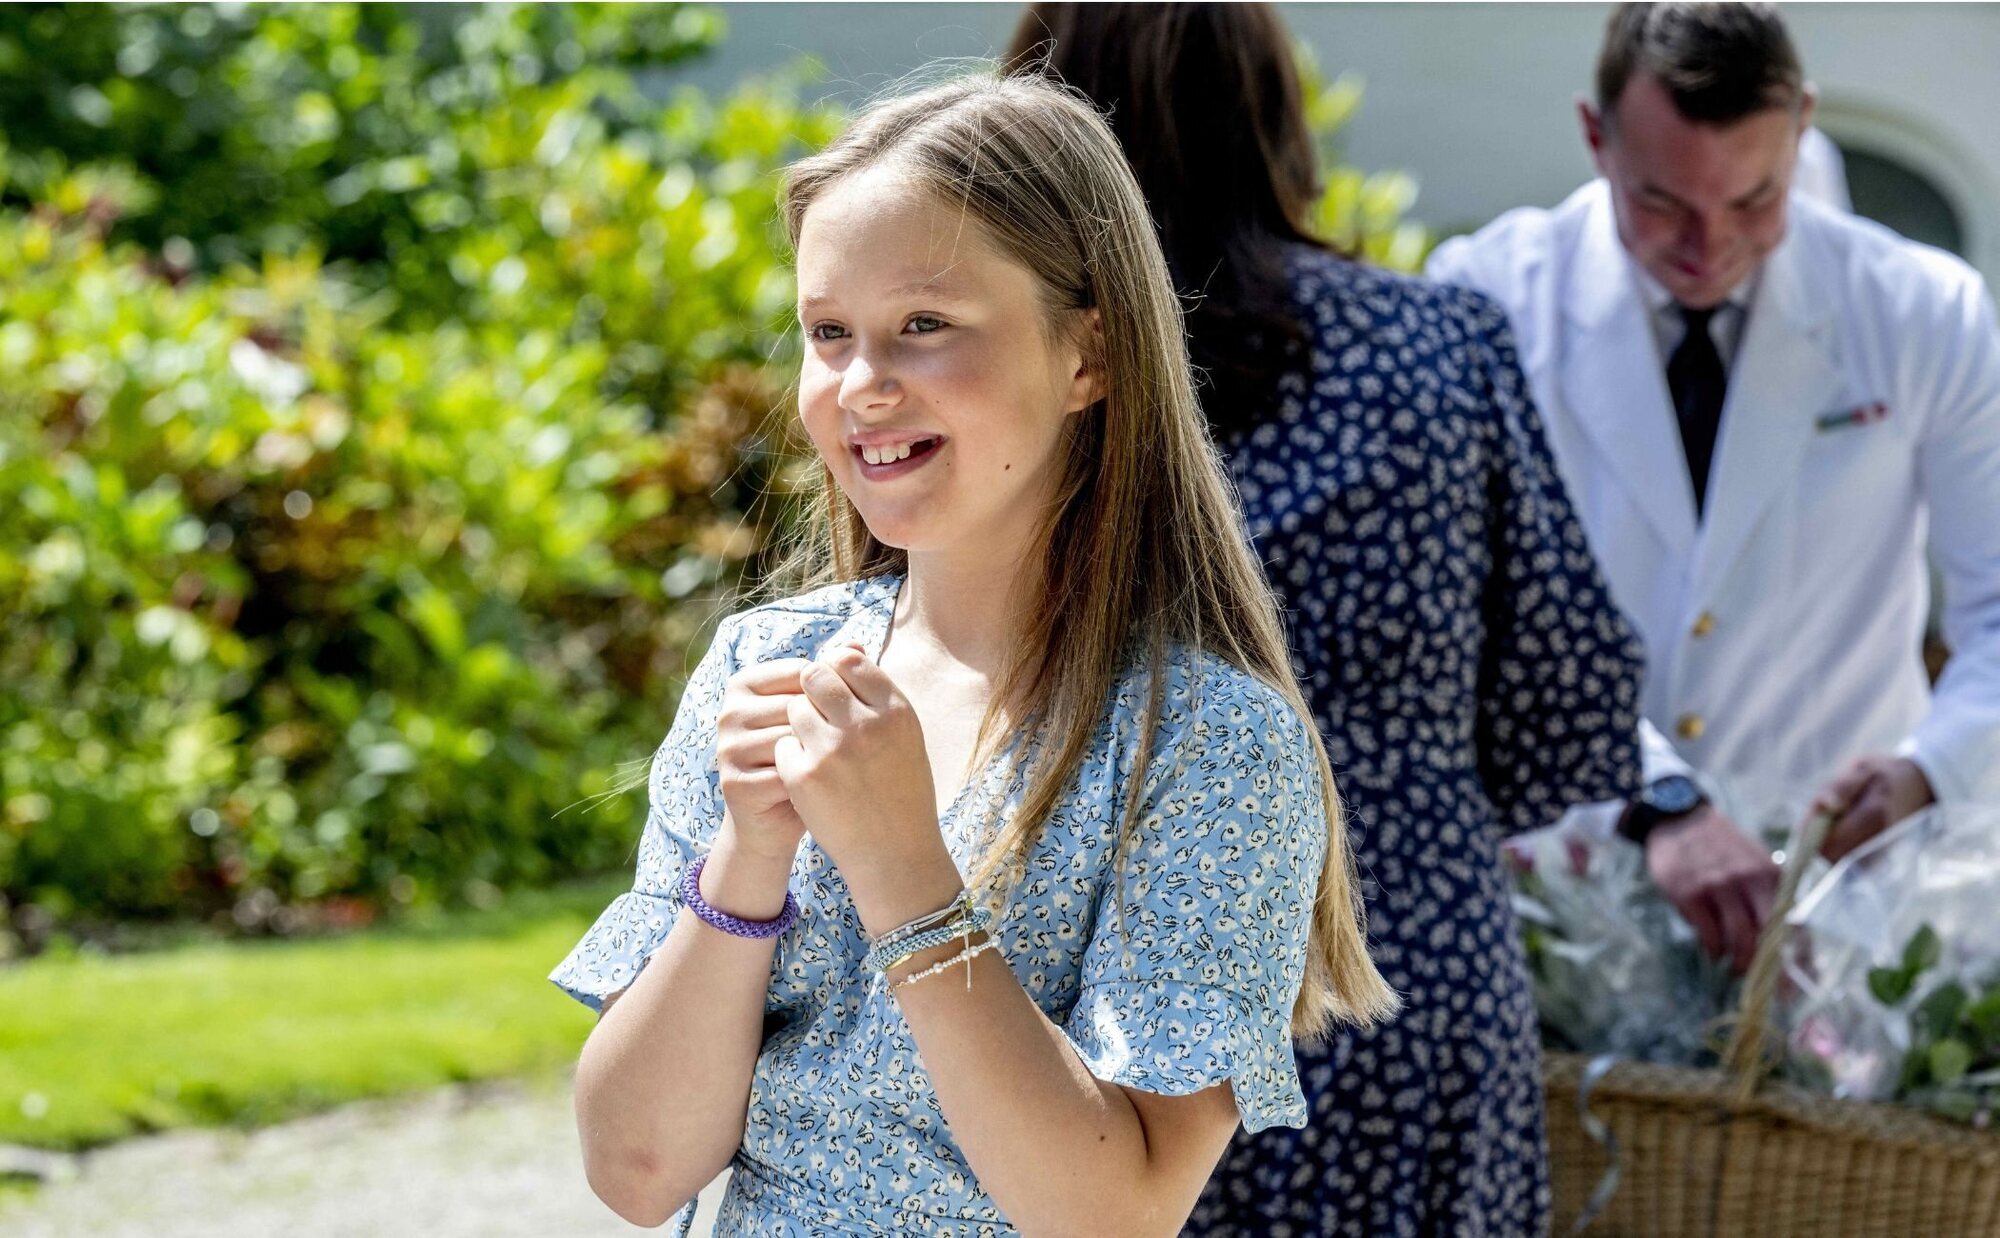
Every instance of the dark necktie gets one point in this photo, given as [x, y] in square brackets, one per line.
[1697, 380]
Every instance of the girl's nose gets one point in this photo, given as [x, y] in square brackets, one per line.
[867, 385]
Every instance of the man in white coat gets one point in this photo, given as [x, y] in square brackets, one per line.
[1761, 406]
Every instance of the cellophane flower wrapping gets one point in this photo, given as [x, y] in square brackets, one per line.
[1893, 967]
[1615, 968]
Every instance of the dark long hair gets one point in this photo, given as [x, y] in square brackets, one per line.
[1206, 103]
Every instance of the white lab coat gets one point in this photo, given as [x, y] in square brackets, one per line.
[1783, 632]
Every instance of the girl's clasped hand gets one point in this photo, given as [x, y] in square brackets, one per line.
[830, 747]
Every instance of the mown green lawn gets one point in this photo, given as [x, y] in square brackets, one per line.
[96, 1048]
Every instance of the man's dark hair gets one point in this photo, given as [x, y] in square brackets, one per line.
[1718, 62]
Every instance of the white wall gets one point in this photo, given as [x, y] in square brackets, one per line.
[1477, 99]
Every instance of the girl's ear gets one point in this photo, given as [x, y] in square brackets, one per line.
[1086, 386]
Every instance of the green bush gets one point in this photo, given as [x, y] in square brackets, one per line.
[341, 125]
[1359, 213]
[310, 589]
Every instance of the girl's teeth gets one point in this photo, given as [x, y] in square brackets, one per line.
[887, 455]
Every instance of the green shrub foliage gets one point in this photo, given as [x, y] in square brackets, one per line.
[362, 497]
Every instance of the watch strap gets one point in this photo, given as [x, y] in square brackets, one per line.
[1641, 817]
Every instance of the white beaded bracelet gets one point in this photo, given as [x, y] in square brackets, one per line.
[963, 956]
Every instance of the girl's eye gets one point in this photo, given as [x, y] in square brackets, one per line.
[925, 324]
[826, 331]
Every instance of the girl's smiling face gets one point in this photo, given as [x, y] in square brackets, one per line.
[932, 383]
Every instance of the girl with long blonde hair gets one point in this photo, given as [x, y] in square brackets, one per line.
[986, 883]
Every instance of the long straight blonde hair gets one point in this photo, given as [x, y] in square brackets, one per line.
[1145, 547]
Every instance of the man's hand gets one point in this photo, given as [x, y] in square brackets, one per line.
[1869, 796]
[1721, 881]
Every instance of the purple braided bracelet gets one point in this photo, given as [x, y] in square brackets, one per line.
[735, 926]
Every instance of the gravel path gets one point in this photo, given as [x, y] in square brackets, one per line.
[492, 1161]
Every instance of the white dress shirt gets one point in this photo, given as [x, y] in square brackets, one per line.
[1726, 328]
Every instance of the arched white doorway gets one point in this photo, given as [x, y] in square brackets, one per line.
[1914, 176]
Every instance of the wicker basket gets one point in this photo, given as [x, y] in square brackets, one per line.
[1785, 1163]
[1723, 1153]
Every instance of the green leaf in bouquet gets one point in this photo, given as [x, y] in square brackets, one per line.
[1949, 1060]
[1984, 1017]
[1915, 1073]
[1890, 984]
[1937, 1015]
[1923, 950]
[1958, 1104]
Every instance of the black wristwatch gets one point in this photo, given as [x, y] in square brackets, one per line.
[1663, 800]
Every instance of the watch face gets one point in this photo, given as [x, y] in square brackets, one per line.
[1672, 796]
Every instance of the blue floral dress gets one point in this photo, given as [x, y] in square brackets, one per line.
[1184, 979]
[1471, 676]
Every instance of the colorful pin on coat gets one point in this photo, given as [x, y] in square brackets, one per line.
[1865, 414]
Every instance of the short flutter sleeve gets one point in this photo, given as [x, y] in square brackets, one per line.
[684, 807]
[1200, 937]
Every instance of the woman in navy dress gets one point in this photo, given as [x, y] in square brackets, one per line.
[1455, 638]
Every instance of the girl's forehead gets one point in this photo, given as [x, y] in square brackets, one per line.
[885, 226]
[887, 215]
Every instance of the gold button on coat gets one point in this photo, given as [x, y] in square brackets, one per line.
[1704, 623]
[1690, 726]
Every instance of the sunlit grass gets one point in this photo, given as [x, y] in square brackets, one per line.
[96, 1048]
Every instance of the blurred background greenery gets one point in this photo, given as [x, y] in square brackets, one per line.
[385, 406]
[389, 399]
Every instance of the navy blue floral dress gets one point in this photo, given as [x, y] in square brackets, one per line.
[1472, 678]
